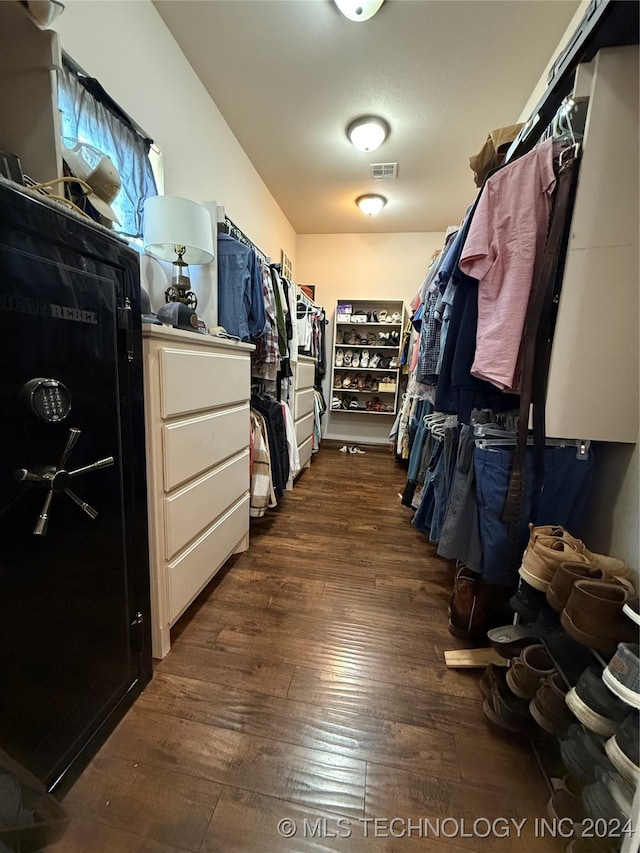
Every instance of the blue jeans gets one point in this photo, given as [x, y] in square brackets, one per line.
[562, 500]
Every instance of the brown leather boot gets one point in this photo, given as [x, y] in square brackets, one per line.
[468, 608]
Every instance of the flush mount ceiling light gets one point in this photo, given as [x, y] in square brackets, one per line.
[358, 10]
[368, 132]
[371, 203]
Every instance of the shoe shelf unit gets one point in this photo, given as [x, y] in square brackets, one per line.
[365, 374]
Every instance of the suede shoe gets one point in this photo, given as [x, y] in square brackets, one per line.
[623, 748]
[528, 669]
[563, 580]
[506, 711]
[593, 614]
[549, 708]
[542, 557]
[595, 706]
[612, 566]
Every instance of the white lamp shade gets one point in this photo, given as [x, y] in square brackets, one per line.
[359, 10]
[371, 203]
[169, 222]
[367, 133]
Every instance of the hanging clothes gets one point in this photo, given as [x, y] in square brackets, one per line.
[261, 484]
[241, 307]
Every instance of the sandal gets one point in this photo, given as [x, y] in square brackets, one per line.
[364, 358]
[382, 315]
[347, 381]
[353, 403]
[336, 403]
[337, 381]
[360, 382]
[395, 318]
[339, 358]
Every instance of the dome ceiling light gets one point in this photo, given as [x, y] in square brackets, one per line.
[358, 10]
[371, 203]
[368, 132]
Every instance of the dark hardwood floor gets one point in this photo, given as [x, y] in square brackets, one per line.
[308, 684]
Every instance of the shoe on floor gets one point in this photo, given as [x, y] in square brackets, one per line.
[356, 450]
[343, 449]
[507, 711]
[594, 705]
[468, 605]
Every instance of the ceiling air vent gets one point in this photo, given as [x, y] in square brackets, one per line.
[384, 171]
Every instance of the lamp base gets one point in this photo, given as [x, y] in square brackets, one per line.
[179, 294]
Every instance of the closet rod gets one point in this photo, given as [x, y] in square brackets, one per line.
[230, 228]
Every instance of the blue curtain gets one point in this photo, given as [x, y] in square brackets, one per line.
[100, 122]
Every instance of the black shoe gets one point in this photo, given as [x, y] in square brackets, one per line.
[527, 601]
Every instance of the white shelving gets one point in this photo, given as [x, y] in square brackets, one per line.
[378, 339]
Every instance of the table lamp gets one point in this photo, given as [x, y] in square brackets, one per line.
[178, 230]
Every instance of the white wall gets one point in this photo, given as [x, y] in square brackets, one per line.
[362, 266]
[126, 45]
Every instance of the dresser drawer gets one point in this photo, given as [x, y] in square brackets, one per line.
[304, 452]
[193, 381]
[304, 428]
[192, 446]
[192, 571]
[303, 403]
[305, 375]
[190, 510]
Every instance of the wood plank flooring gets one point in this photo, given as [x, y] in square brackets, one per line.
[308, 683]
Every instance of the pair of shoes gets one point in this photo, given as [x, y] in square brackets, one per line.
[364, 358]
[593, 613]
[563, 579]
[352, 449]
[339, 358]
[336, 403]
[549, 708]
[550, 545]
[528, 669]
[337, 381]
[343, 449]
[594, 705]
[622, 674]
[372, 317]
[623, 748]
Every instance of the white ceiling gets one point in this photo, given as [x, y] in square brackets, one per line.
[289, 75]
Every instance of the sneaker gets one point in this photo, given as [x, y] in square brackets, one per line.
[528, 669]
[623, 748]
[563, 580]
[612, 566]
[593, 614]
[622, 675]
[632, 610]
[594, 705]
[549, 708]
[582, 752]
[609, 798]
[356, 450]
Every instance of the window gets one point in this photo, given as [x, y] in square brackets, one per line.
[90, 115]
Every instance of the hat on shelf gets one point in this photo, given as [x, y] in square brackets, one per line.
[180, 316]
[95, 169]
[146, 311]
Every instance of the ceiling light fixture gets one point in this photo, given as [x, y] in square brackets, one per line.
[371, 203]
[368, 132]
[358, 10]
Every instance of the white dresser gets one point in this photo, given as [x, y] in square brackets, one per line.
[197, 392]
[303, 406]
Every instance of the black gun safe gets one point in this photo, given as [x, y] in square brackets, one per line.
[75, 647]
